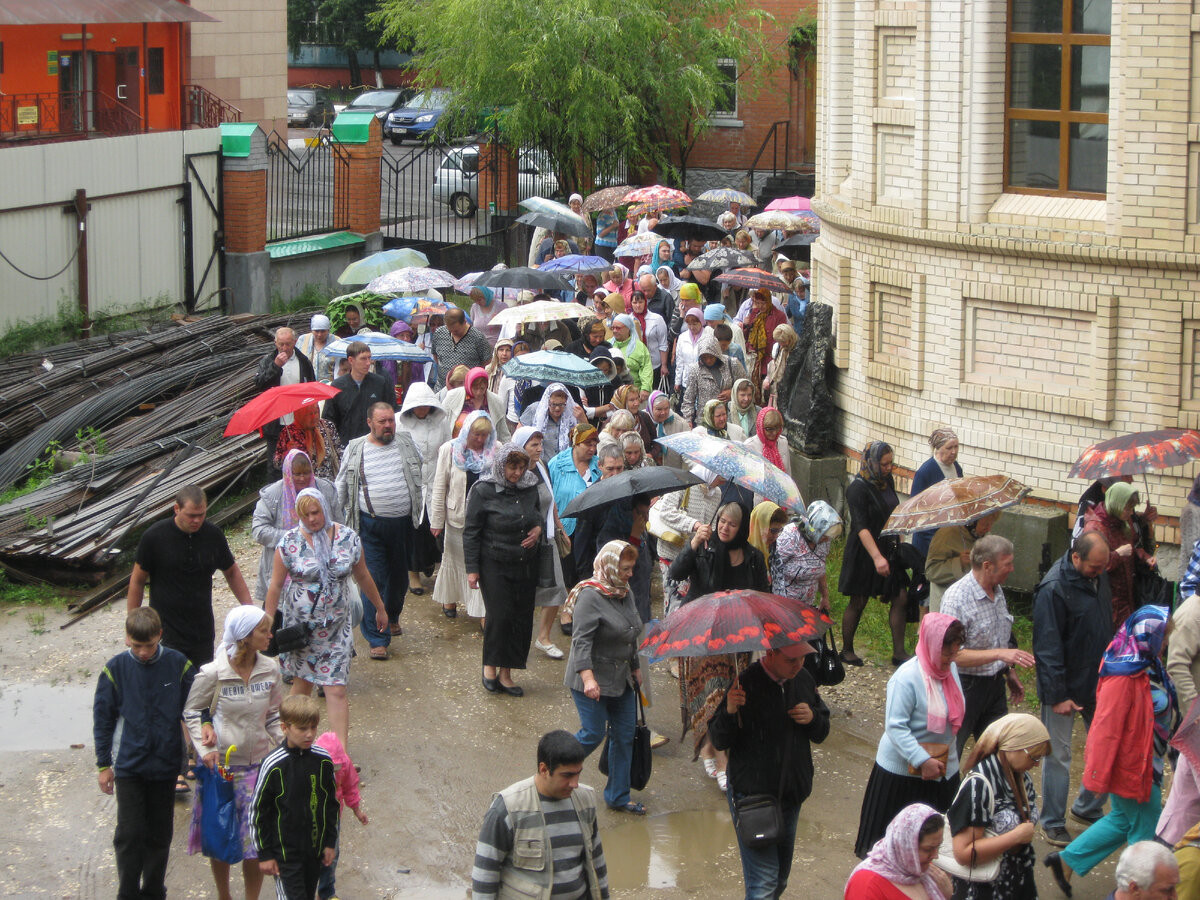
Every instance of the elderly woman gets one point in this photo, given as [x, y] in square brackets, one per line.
[501, 545]
[554, 415]
[768, 440]
[619, 422]
[900, 865]
[316, 559]
[429, 427]
[917, 761]
[620, 283]
[485, 307]
[460, 463]
[313, 345]
[759, 327]
[658, 420]
[634, 451]
[687, 346]
[714, 421]
[785, 341]
[637, 356]
[604, 670]
[233, 709]
[1113, 518]
[317, 437]
[711, 377]
[801, 556]
[742, 408]
[949, 557]
[943, 464]
[474, 395]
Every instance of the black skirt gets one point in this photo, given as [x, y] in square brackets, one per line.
[888, 793]
[425, 553]
[508, 590]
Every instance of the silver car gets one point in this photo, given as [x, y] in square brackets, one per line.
[456, 180]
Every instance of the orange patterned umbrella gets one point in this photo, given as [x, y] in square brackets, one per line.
[955, 501]
[1144, 451]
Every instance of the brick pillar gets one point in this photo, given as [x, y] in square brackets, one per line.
[244, 197]
[498, 178]
[357, 183]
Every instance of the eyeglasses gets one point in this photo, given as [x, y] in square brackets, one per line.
[1033, 759]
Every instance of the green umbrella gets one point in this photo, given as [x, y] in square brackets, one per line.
[364, 270]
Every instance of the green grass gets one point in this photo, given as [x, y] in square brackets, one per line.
[14, 594]
[314, 296]
[24, 335]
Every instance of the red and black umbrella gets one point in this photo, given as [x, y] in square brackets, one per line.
[734, 622]
[1144, 451]
[755, 278]
[276, 402]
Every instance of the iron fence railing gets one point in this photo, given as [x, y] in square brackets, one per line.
[66, 114]
[302, 194]
[779, 160]
[204, 108]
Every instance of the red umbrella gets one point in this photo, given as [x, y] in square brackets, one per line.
[734, 622]
[275, 402]
[657, 197]
[754, 278]
[1144, 451]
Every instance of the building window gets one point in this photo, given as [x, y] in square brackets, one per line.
[154, 70]
[725, 106]
[1056, 124]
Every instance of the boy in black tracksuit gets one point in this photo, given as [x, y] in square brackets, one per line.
[295, 819]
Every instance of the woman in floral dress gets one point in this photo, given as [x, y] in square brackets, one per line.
[800, 554]
[316, 558]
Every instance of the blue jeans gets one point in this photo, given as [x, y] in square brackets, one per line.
[617, 716]
[326, 886]
[387, 543]
[1127, 823]
[765, 870]
[1056, 773]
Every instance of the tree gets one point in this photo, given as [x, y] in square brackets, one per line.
[580, 77]
[345, 24]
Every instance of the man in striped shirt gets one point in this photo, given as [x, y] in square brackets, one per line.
[540, 837]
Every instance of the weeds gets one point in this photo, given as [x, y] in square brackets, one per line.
[24, 335]
[313, 295]
[37, 621]
[15, 594]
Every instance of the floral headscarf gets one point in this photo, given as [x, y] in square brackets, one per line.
[946, 706]
[897, 856]
[770, 448]
[500, 459]
[869, 468]
[706, 419]
[821, 521]
[541, 418]
[606, 573]
[1137, 643]
[287, 502]
[464, 457]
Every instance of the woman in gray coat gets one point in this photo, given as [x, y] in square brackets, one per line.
[603, 669]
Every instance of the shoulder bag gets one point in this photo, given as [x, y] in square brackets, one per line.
[830, 669]
[658, 527]
[982, 872]
[758, 818]
[641, 762]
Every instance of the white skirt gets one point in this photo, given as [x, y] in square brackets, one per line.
[451, 585]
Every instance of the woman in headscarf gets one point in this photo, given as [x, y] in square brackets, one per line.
[634, 450]
[637, 357]
[352, 321]
[900, 865]
[234, 706]
[486, 307]
[917, 760]
[714, 421]
[604, 670]
[621, 284]
[868, 559]
[941, 465]
[401, 374]
[315, 436]
[1189, 527]
[501, 548]
[499, 383]
[314, 345]
[687, 346]
[767, 521]
[720, 559]
[658, 420]
[1136, 714]
[785, 341]
[429, 427]
[460, 463]
[949, 557]
[742, 408]
[652, 329]
[592, 333]
[667, 280]
[759, 328]
[802, 554]
[1113, 518]
[474, 395]
[553, 418]
[455, 378]
[316, 559]
[997, 796]
[768, 440]
[687, 512]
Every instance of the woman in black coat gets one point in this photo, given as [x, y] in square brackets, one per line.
[501, 539]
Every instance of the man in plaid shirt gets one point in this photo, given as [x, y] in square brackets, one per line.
[989, 652]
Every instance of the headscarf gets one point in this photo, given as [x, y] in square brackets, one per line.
[391, 366]
[673, 282]
[760, 527]
[287, 502]
[770, 448]
[621, 396]
[869, 467]
[606, 573]
[489, 296]
[945, 706]
[581, 432]
[322, 544]
[940, 437]
[706, 419]
[493, 366]
[319, 323]
[240, 621]
[896, 856]
[524, 435]
[629, 322]
[464, 457]
[541, 417]
[1010, 733]
[746, 417]
[632, 438]
[714, 312]
[1116, 498]
[1137, 644]
[1194, 494]
[499, 459]
[742, 537]
[707, 475]
[689, 291]
[757, 337]
[821, 520]
[474, 375]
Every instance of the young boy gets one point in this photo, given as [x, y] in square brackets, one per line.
[145, 689]
[295, 817]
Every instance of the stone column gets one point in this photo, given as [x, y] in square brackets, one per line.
[359, 137]
[244, 197]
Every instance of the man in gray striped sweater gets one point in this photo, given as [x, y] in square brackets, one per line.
[540, 837]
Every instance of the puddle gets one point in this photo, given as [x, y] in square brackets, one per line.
[44, 716]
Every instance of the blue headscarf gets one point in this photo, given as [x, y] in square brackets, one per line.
[1137, 644]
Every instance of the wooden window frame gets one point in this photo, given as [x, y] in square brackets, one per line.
[1064, 115]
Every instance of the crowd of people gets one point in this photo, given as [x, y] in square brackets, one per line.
[451, 481]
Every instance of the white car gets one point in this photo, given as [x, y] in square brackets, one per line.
[456, 181]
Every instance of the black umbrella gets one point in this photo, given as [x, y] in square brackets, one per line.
[723, 258]
[690, 227]
[562, 224]
[524, 278]
[651, 480]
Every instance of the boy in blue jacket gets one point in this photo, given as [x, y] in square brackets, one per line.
[144, 690]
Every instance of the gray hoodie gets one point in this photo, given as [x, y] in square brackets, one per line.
[428, 433]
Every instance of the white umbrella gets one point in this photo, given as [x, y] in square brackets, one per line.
[638, 244]
[540, 311]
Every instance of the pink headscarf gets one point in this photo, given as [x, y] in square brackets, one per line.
[472, 376]
[944, 699]
[896, 856]
[770, 448]
[287, 503]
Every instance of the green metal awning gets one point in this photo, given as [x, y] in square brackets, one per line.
[313, 244]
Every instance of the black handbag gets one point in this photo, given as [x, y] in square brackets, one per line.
[757, 818]
[830, 670]
[292, 638]
[641, 761]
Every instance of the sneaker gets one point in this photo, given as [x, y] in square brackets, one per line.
[1056, 836]
[549, 649]
[722, 782]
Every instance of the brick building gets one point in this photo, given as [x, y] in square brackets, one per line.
[1010, 225]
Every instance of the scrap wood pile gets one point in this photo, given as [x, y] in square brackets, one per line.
[140, 414]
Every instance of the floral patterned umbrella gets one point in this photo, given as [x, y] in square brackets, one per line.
[639, 244]
[737, 463]
[955, 501]
[606, 198]
[541, 311]
[733, 622]
[411, 280]
[723, 258]
[777, 218]
[658, 194]
[728, 195]
[1145, 451]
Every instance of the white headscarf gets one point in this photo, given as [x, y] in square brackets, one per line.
[321, 543]
[541, 419]
[238, 624]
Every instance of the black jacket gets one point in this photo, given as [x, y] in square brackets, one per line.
[705, 569]
[1072, 626]
[348, 410]
[268, 377]
[759, 734]
[295, 804]
[498, 518]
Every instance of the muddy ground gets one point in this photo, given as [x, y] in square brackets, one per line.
[433, 747]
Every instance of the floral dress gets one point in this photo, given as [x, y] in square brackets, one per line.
[796, 566]
[326, 659]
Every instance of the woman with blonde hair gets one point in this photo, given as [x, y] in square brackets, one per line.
[619, 422]
[785, 341]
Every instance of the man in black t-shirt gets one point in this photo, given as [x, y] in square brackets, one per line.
[178, 557]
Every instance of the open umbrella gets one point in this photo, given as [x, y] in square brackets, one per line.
[753, 278]
[737, 463]
[554, 365]
[275, 402]
[776, 218]
[1143, 451]
[576, 264]
[568, 224]
[606, 198]
[656, 206]
[369, 267]
[955, 501]
[657, 194]
[415, 309]
[798, 246]
[524, 278]
[540, 311]
[723, 258]
[789, 204]
[545, 205]
[690, 227]
[383, 346]
[411, 280]
[733, 622]
[728, 195]
[653, 481]
[639, 244]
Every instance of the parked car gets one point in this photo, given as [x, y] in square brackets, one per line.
[309, 108]
[379, 102]
[456, 181]
[418, 117]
